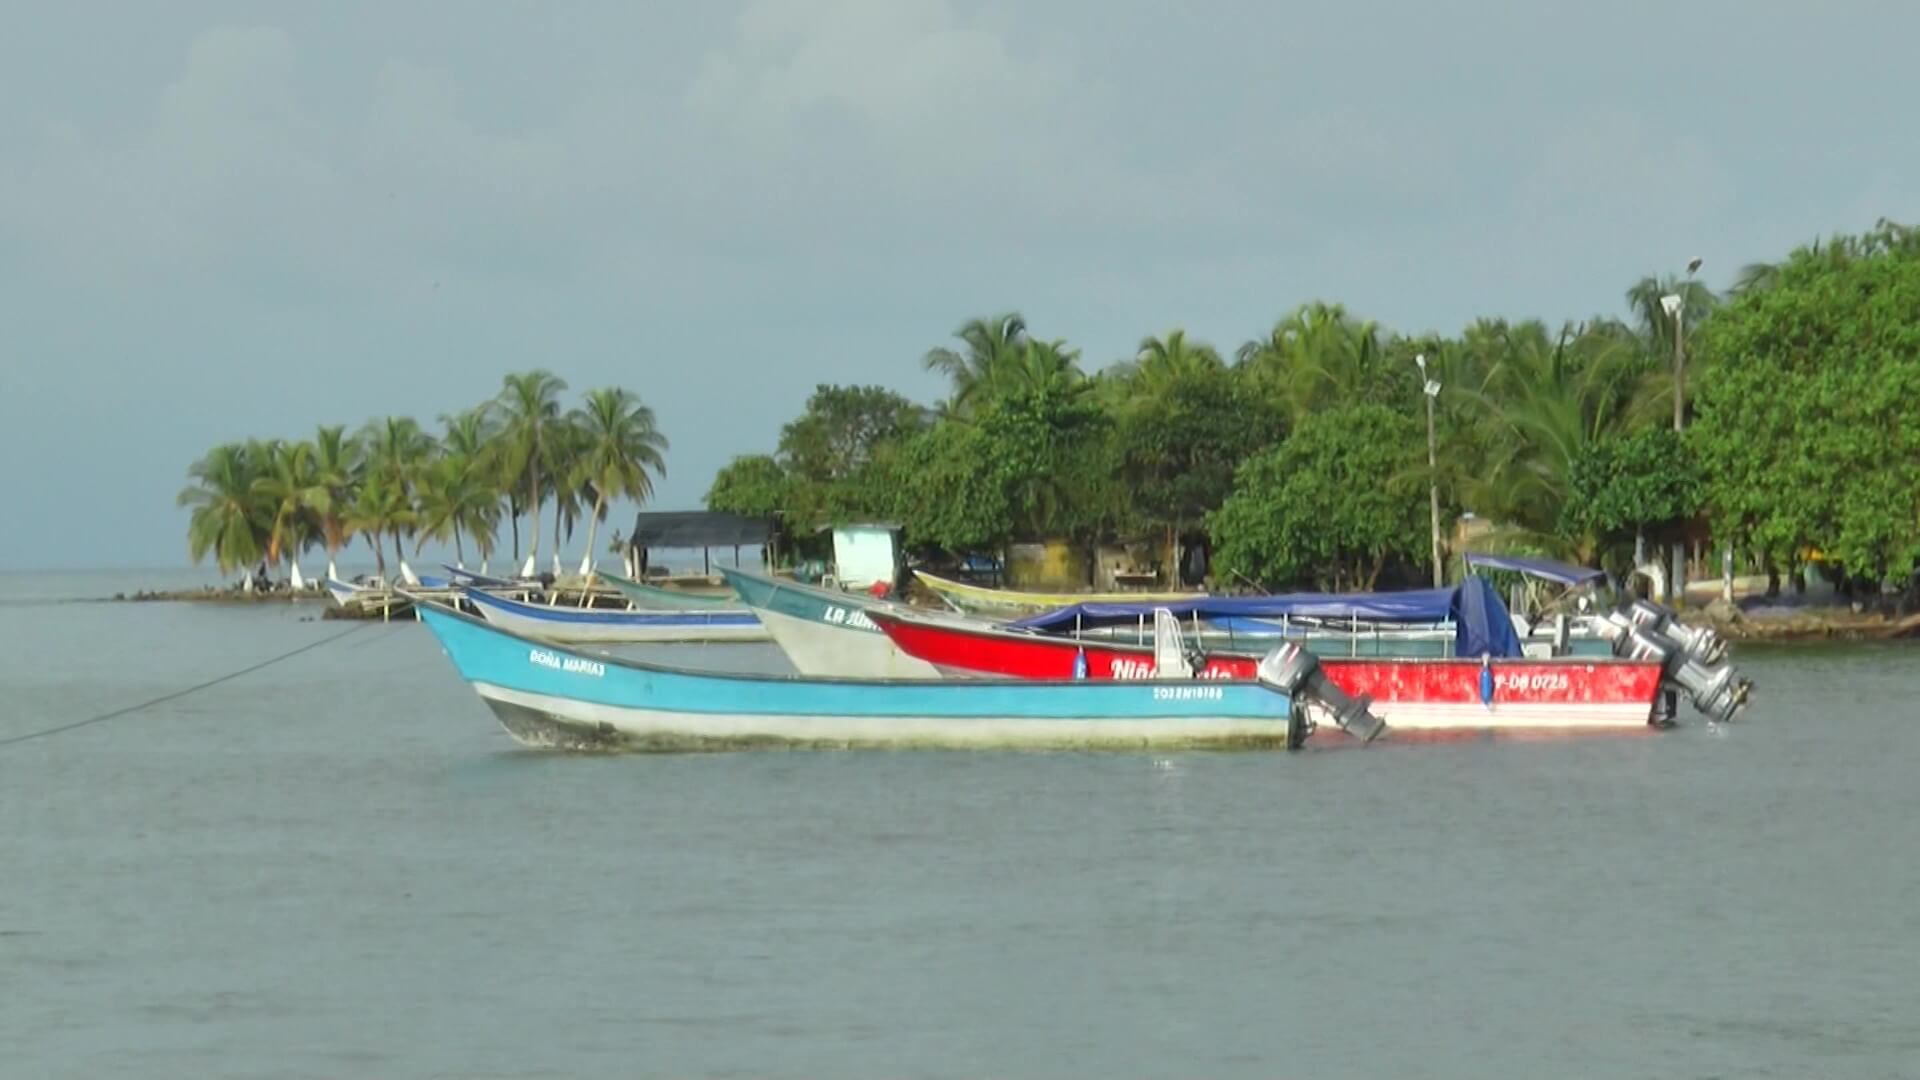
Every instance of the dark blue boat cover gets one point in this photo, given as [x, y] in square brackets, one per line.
[1410, 606]
[1481, 625]
[1545, 569]
[1481, 622]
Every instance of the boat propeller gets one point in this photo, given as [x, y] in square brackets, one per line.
[1296, 672]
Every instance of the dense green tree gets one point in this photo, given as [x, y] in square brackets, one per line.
[1332, 506]
[1624, 486]
[753, 484]
[1806, 433]
[1181, 432]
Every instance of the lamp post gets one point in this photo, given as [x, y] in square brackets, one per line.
[1675, 305]
[1431, 388]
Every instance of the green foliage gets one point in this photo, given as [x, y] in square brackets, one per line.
[829, 453]
[1331, 506]
[752, 484]
[1806, 433]
[265, 500]
[835, 438]
[1181, 434]
[228, 520]
[1621, 485]
[1030, 464]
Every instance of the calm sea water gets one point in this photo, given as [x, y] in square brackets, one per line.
[340, 866]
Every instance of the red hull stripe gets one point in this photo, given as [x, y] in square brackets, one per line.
[1577, 681]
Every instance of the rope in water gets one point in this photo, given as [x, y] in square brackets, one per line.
[178, 694]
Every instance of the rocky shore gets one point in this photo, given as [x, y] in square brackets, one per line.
[1826, 622]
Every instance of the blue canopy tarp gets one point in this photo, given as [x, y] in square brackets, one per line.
[1545, 569]
[1410, 606]
[1481, 623]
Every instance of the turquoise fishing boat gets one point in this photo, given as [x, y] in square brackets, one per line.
[550, 696]
[654, 598]
[825, 632]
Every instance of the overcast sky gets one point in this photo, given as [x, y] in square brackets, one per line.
[222, 220]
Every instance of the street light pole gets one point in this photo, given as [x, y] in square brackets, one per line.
[1675, 305]
[1431, 389]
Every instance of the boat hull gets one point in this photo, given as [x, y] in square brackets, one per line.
[654, 598]
[826, 634]
[546, 695]
[1417, 698]
[590, 626]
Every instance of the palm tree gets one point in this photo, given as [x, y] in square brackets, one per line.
[455, 497]
[1543, 400]
[381, 507]
[530, 408]
[472, 439]
[228, 518]
[990, 344]
[337, 465]
[291, 489]
[1319, 356]
[619, 446]
[397, 451]
[1162, 362]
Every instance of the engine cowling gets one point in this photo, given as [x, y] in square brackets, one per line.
[1295, 671]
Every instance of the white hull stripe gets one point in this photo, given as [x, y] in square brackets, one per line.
[889, 730]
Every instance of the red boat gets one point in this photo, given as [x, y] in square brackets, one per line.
[1416, 697]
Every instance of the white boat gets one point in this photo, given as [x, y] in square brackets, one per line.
[572, 625]
[824, 633]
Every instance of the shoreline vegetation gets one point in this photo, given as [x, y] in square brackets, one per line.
[258, 504]
[1762, 432]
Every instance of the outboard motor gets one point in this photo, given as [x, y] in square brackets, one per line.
[1700, 643]
[1296, 672]
[1691, 659]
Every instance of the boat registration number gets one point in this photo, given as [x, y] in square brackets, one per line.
[1531, 680]
[1189, 693]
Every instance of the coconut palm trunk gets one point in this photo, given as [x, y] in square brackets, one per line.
[593, 529]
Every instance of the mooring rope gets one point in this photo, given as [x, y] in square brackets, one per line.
[178, 694]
